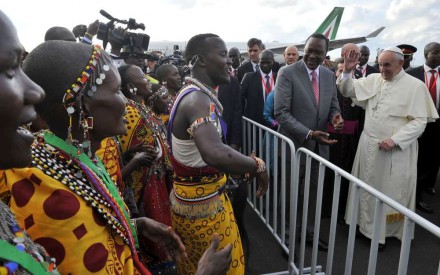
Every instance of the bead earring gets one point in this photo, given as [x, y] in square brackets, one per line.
[90, 122]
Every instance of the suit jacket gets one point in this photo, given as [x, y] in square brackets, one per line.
[229, 97]
[251, 93]
[296, 109]
[243, 69]
[419, 73]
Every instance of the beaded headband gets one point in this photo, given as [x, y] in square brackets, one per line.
[86, 83]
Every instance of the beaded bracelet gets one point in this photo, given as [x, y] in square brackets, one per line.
[88, 35]
[261, 166]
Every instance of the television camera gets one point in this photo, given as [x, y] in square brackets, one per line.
[131, 39]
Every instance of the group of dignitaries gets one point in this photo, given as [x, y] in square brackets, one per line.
[378, 122]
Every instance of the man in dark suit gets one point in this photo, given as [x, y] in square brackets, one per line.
[255, 46]
[255, 87]
[428, 161]
[363, 69]
[229, 97]
[306, 99]
[234, 55]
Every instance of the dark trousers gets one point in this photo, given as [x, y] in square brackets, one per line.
[428, 162]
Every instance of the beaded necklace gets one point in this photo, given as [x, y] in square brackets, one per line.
[88, 180]
[148, 116]
[18, 251]
[207, 90]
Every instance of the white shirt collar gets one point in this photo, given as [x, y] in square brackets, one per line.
[264, 75]
[427, 68]
[254, 64]
[310, 71]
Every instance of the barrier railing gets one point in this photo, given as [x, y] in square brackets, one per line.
[258, 138]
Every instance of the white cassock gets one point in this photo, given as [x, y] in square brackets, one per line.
[397, 109]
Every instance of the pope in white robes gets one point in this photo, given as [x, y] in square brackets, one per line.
[397, 108]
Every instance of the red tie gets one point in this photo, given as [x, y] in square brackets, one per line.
[315, 85]
[235, 72]
[267, 84]
[433, 86]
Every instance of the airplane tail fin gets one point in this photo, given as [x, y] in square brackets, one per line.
[375, 33]
[329, 27]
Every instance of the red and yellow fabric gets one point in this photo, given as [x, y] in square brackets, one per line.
[151, 184]
[110, 155]
[199, 209]
[66, 225]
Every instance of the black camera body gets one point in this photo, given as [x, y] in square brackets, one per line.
[133, 40]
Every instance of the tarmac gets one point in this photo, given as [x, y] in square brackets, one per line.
[266, 255]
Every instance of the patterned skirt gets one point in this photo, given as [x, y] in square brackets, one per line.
[199, 209]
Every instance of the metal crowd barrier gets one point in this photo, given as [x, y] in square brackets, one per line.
[267, 207]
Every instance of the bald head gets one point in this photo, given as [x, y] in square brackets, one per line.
[234, 55]
[432, 54]
[291, 55]
[348, 47]
[266, 61]
[364, 55]
[59, 33]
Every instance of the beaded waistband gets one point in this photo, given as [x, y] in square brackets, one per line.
[196, 208]
[197, 200]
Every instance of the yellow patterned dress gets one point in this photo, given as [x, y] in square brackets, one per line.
[64, 203]
[151, 185]
[200, 207]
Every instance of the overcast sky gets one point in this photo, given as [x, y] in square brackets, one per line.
[406, 21]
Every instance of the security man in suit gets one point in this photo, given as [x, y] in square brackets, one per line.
[255, 46]
[408, 52]
[256, 86]
[428, 166]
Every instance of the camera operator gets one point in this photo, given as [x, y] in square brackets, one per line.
[85, 34]
[152, 65]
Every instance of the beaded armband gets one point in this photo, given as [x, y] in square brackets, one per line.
[199, 122]
[261, 165]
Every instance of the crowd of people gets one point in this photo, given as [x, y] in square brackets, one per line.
[125, 167]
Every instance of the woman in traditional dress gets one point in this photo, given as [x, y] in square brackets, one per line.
[150, 183]
[18, 94]
[66, 200]
[200, 159]
[169, 77]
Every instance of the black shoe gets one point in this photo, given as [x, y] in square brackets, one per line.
[422, 206]
[430, 190]
[381, 247]
[322, 245]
